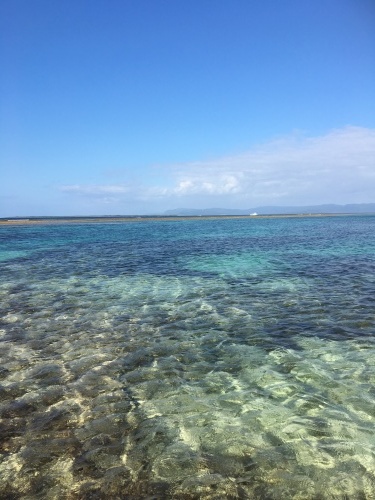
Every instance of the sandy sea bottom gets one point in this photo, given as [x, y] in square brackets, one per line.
[235, 373]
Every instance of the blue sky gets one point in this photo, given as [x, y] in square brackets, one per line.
[136, 107]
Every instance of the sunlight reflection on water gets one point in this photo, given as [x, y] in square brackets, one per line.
[137, 362]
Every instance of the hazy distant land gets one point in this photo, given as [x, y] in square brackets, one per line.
[278, 210]
[175, 214]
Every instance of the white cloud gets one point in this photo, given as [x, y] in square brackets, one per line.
[221, 185]
[338, 167]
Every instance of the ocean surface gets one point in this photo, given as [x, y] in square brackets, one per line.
[207, 358]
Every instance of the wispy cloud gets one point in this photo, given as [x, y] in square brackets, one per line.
[96, 195]
[94, 190]
[291, 169]
[338, 167]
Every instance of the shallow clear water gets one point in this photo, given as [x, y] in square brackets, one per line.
[226, 358]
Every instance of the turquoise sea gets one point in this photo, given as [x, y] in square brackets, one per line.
[189, 359]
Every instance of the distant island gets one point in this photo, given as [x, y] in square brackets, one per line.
[355, 208]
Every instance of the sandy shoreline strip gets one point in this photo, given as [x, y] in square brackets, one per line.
[145, 218]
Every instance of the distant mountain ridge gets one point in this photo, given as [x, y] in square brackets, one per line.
[354, 208]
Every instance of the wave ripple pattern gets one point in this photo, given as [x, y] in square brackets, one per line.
[197, 359]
